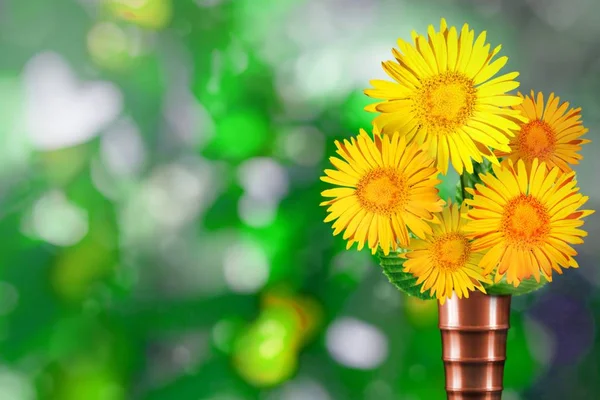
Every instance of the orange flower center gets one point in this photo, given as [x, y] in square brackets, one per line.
[445, 101]
[382, 191]
[451, 251]
[536, 140]
[525, 222]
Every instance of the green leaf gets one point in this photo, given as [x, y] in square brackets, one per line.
[526, 286]
[470, 180]
[392, 266]
[458, 197]
[482, 168]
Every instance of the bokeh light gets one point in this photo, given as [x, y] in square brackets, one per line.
[153, 14]
[356, 344]
[159, 191]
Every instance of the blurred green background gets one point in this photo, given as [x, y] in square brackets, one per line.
[160, 234]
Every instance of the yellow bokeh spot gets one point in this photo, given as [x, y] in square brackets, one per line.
[421, 313]
[109, 46]
[152, 14]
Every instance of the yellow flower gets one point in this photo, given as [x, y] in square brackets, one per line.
[527, 219]
[552, 134]
[445, 260]
[444, 97]
[384, 185]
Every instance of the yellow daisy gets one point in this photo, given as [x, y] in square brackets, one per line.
[444, 96]
[384, 186]
[552, 135]
[527, 220]
[445, 261]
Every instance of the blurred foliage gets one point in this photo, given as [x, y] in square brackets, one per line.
[159, 164]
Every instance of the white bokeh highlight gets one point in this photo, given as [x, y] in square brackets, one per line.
[61, 111]
[264, 179]
[302, 389]
[172, 196]
[303, 145]
[15, 385]
[15, 149]
[56, 220]
[356, 344]
[176, 193]
[265, 183]
[246, 267]
[122, 149]
[256, 213]
[187, 119]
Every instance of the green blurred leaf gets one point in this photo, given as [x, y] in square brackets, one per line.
[213, 380]
[239, 135]
[353, 116]
[520, 366]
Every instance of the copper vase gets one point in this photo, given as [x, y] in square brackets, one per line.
[474, 345]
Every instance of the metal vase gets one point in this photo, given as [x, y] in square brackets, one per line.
[474, 345]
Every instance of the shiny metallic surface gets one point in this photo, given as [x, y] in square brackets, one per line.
[474, 345]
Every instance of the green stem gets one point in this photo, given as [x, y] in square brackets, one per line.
[468, 180]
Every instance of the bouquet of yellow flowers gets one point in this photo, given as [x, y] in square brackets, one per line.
[517, 210]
